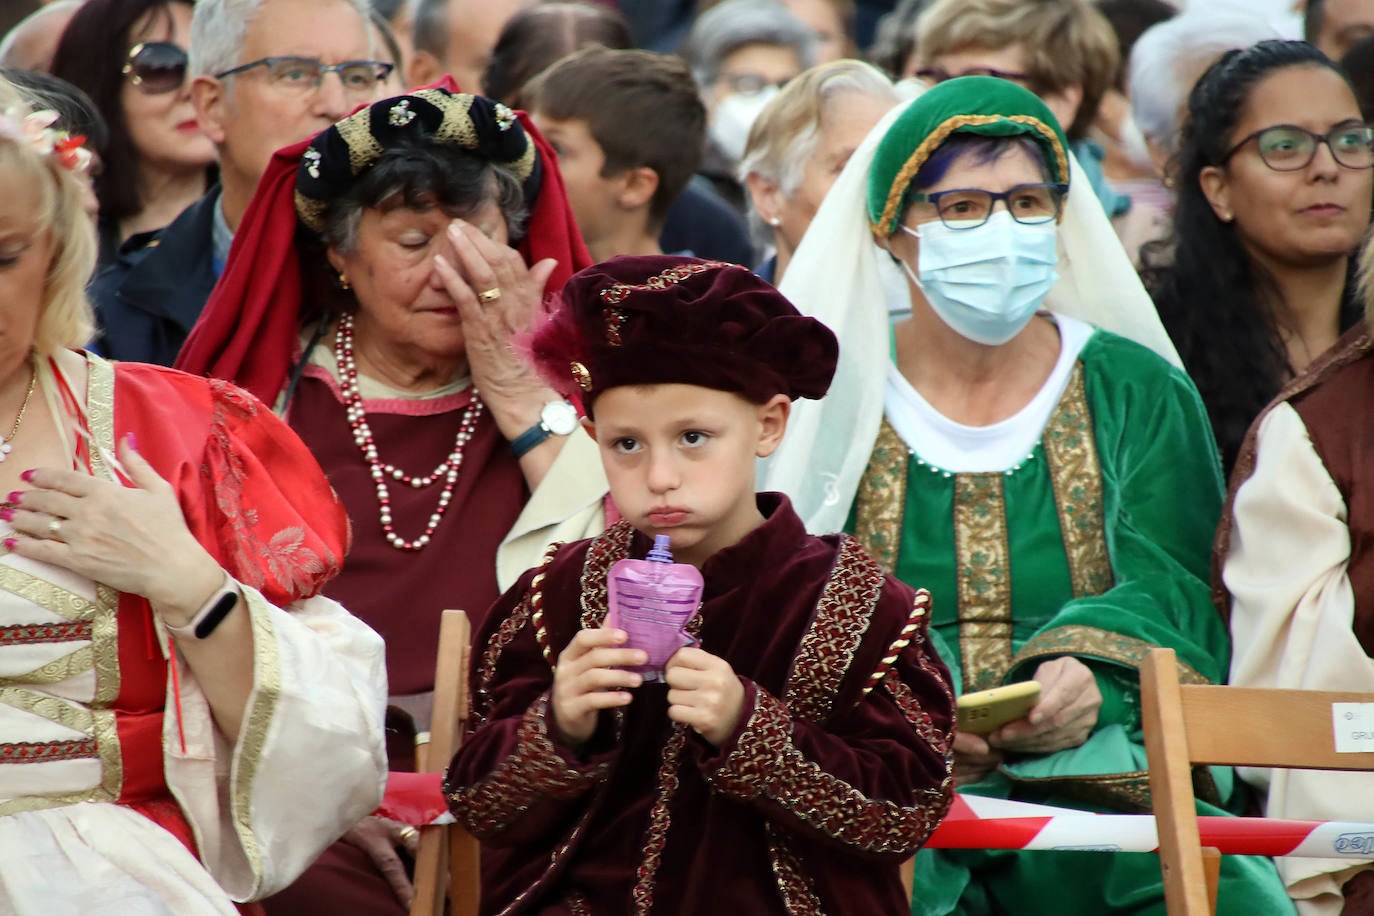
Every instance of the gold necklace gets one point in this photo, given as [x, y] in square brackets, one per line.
[5, 446]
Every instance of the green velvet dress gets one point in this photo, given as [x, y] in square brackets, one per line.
[1096, 545]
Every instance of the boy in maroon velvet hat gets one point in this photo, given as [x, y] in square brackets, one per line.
[798, 752]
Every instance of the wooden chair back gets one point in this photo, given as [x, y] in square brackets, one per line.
[1234, 726]
[446, 865]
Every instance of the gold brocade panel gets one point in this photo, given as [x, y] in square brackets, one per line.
[984, 577]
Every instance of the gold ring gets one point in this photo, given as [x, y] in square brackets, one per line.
[54, 528]
[490, 295]
[408, 833]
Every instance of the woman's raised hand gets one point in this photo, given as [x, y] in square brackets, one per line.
[133, 539]
[497, 298]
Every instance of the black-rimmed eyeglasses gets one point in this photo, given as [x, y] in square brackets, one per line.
[969, 208]
[156, 67]
[1288, 147]
[306, 74]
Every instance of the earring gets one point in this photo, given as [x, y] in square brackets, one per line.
[343, 281]
[775, 221]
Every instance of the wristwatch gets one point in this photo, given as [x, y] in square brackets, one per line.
[558, 418]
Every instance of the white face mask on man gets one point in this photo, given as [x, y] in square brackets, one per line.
[734, 115]
[986, 283]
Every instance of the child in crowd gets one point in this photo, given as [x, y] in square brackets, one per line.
[799, 750]
[629, 128]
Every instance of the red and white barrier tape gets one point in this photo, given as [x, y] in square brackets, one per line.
[975, 822]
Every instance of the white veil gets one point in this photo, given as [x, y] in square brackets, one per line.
[836, 275]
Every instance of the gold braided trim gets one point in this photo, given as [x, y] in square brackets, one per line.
[982, 565]
[841, 618]
[505, 634]
[46, 595]
[766, 764]
[534, 770]
[1101, 644]
[910, 631]
[918, 157]
[880, 504]
[54, 709]
[252, 742]
[799, 895]
[656, 837]
[100, 382]
[106, 734]
[611, 545]
[1076, 479]
[363, 148]
[56, 671]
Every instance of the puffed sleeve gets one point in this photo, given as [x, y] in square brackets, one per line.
[309, 760]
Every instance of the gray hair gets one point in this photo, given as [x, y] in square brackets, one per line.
[789, 127]
[429, 28]
[1169, 57]
[731, 25]
[219, 28]
[499, 186]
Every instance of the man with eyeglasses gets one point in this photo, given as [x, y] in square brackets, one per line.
[266, 74]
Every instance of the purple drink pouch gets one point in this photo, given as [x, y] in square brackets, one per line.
[652, 600]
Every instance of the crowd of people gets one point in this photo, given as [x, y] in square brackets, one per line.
[947, 344]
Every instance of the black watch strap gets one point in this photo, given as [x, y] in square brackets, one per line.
[523, 443]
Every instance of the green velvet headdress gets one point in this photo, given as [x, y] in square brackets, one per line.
[984, 105]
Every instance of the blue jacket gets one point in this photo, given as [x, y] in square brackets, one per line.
[148, 300]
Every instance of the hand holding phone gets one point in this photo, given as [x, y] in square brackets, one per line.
[988, 710]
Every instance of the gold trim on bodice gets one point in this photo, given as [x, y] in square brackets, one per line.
[982, 556]
[95, 720]
[983, 567]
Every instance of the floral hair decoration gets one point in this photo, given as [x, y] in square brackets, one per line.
[36, 129]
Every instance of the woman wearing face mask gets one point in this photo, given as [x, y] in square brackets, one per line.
[130, 57]
[1054, 485]
[742, 52]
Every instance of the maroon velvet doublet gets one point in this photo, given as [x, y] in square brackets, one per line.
[837, 772]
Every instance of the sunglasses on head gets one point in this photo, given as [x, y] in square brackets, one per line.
[156, 67]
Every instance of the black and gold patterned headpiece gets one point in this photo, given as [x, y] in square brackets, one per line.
[339, 154]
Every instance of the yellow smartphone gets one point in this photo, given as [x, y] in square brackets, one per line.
[988, 710]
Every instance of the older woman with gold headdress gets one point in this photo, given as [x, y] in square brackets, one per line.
[172, 676]
[1054, 485]
[385, 266]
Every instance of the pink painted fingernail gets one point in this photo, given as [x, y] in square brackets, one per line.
[10, 542]
[15, 496]
[27, 476]
[131, 440]
[6, 515]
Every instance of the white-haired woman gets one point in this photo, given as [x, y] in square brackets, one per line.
[172, 679]
[742, 52]
[800, 144]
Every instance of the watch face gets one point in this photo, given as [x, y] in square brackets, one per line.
[560, 417]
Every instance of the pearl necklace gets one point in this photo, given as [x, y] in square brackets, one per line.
[362, 436]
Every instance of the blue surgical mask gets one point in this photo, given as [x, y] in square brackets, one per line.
[986, 283]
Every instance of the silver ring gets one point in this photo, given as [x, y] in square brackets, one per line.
[491, 295]
[54, 528]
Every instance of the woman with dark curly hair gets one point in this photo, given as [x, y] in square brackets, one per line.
[1273, 180]
[129, 56]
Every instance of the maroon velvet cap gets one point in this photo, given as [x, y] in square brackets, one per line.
[664, 319]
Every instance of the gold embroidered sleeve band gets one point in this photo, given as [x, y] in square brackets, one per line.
[533, 771]
[765, 766]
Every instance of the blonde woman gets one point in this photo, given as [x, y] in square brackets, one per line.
[172, 678]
